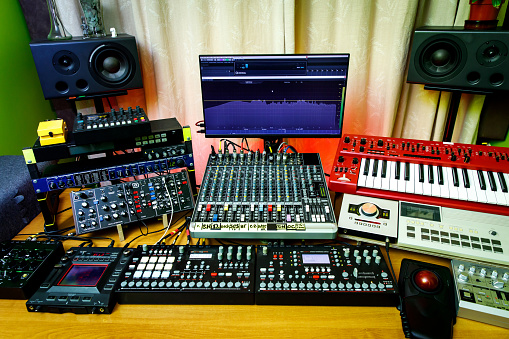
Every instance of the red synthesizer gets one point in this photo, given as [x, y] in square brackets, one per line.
[463, 176]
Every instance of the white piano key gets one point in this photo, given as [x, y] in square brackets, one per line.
[370, 178]
[361, 182]
[426, 186]
[506, 194]
[462, 190]
[481, 194]
[490, 195]
[401, 180]
[418, 185]
[471, 191]
[453, 190]
[387, 180]
[393, 184]
[499, 195]
[377, 181]
[444, 189]
[435, 187]
[410, 184]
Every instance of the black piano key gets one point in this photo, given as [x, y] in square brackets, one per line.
[431, 176]
[407, 171]
[503, 184]
[375, 168]
[455, 179]
[398, 170]
[421, 173]
[384, 169]
[491, 179]
[466, 181]
[440, 175]
[366, 167]
[482, 183]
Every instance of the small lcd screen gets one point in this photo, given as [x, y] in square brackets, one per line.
[431, 213]
[83, 275]
[315, 259]
[200, 256]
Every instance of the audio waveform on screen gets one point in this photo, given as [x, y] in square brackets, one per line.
[261, 115]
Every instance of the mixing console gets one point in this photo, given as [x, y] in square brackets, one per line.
[163, 274]
[268, 196]
[129, 202]
[324, 275]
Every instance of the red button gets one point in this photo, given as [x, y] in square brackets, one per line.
[208, 207]
[270, 208]
[184, 182]
[138, 211]
[280, 256]
[316, 276]
[213, 274]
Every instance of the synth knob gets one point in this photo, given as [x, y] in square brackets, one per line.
[461, 267]
[483, 272]
[375, 253]
[363, 141]
[105, 208]
[341, 158]
[181, 249]
[378, 260]
[84, 204]
[346, 252]
[355, 161]
[380, 142]
[471, 270]
[104, 198]
[358, 260]
[494, 274]
[453, 157]
[368, 260]
[365, 253]
[356, 253]
[347, 140]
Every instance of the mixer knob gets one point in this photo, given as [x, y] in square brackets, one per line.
[357, 285]
[270, 285]
[375, 253]
[471, 270]
[358, 259]
[104, 198]
[368, 260]
[345, 274]
[463, 278]
[365, 253]
[348, 285]
[378, 260]
[309, 285]
[278, 285]
[498, 284]
[355, 253]
[494, 275]
[301, 285]
[229, 256]
[84, 204]
[115, 216]
[483, 272]
[461, 267]
[105, 208]
[114, 206]
[91, 210]
[380, 286]
[506, 276]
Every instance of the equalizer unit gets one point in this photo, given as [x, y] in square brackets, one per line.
[264, 196]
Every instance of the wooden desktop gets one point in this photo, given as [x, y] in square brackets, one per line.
[213, 321]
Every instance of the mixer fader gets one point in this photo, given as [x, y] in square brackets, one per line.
[264, 196]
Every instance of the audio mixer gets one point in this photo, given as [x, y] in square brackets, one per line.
[24, 265]
[163, 274]
[324, 275]
[482, 291]
[128, 202]
[264, 196]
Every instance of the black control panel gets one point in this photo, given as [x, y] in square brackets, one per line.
[108, 126]
[24, 265]
[264, 196]
[165, 274]
[324, 275]
[125, 203]
[82, 281]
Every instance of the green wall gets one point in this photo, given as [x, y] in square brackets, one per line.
[22, 104]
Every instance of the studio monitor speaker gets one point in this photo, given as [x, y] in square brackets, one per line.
[84, 67]
[455, 58]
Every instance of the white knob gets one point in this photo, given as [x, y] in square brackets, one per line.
[113, 32]
[506, 276]
[461, 268]
[498, 284]
[483, 272]
[494, 274]
[471, 270]
[463, 278]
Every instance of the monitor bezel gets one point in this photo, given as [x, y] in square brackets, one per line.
[276, 135]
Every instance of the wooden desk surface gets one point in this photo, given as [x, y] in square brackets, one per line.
[212, 321]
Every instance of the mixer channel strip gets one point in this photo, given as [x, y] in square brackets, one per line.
[164, 274]
[264, 196]
[324, 275]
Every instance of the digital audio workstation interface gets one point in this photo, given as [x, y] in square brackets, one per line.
[278, 201]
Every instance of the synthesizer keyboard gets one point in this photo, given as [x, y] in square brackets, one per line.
[264, 196]
[462, 176]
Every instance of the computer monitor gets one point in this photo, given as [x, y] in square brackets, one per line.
[273, 96]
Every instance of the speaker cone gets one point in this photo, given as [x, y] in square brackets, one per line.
[112, 65]
[66, 62]
[440, 58]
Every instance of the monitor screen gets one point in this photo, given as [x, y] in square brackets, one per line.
[273, 96]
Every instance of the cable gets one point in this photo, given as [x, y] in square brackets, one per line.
[171, 215]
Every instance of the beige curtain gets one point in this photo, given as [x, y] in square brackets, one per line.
[377, 34]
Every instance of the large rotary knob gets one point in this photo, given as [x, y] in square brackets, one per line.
[369, 209]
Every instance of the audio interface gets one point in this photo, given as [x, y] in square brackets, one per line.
[163, 274]
[482, 292]
[264, 196]
[132, 201]
[108, 126]
[82, 282]
[24, 265]
[324, 275]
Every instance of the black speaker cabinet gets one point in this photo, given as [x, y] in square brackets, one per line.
[83, 67]
[455, 58]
